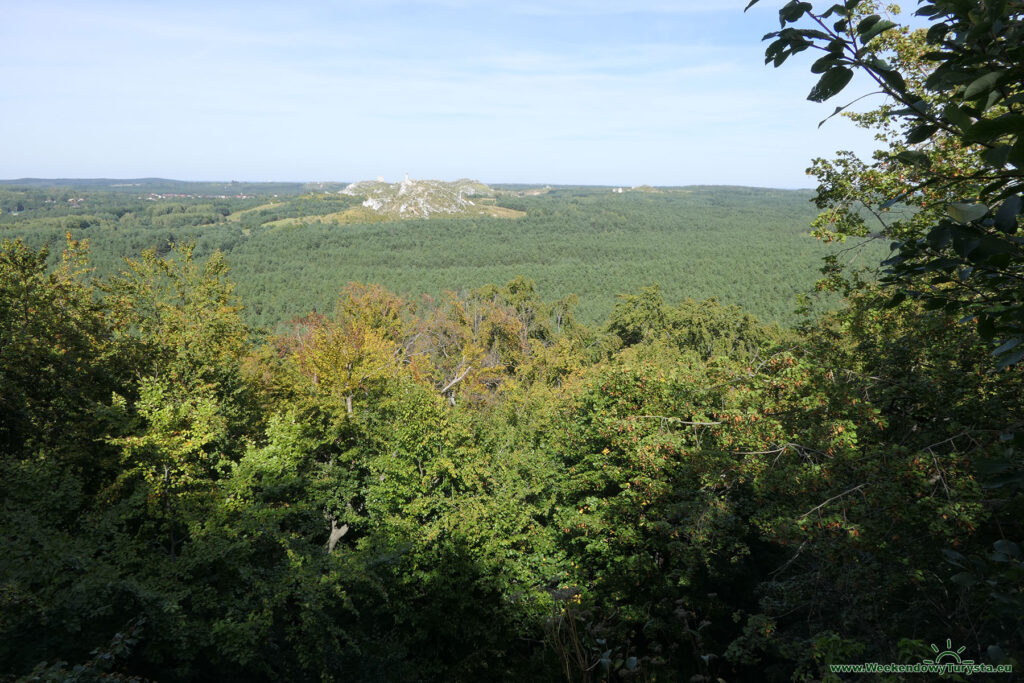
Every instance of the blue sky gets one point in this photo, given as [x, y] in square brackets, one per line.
[571, 91]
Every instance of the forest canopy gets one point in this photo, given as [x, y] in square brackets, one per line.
[484, 484]
[747, 246]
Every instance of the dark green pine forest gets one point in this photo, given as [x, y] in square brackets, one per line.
[743, 245]
[669, 434]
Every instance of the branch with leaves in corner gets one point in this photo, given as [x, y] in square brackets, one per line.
[968, 89]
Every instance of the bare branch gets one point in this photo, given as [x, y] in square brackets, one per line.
[818, 507]
[668, 418]
[457, 379]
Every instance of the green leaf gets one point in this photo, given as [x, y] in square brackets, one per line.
[836, 47]
[982, 85]
[1006, 216]
[824, 64]
[989, 250]
[814, 33]
[912, 157]
[986, 327]
[876, 29]
[878, 64]
[1007, 346]
[953, 557]
[833, 81]
[838, 109]
[919, 107]
[965, 213]
[940, 235]
[993, 97]
[894, 79]
[889, 203]
[936, 33]
[1010, 358]
[999, 189]
[986, 129]
[792, 11]
[1016, 155]
[958, 117]
[964, 579]
[997, 155]
[867, 22]
[898, 298]
[921, 133]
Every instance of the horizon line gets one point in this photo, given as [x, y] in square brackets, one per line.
[68, 179]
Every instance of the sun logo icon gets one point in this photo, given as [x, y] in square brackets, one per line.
[948, 653]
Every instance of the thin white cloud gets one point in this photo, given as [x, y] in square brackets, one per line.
[580, 7]
[351, 89]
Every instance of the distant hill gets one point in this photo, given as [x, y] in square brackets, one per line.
[164, 185]
[425, 198]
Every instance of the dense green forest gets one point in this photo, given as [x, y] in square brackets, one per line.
[747, 246]
[485, 485]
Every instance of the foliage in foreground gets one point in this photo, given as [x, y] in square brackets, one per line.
[485, 488]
